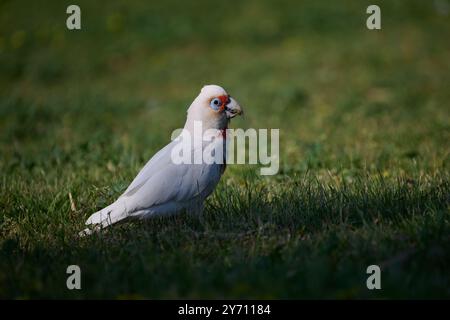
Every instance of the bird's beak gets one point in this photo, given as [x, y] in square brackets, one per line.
[233, 108]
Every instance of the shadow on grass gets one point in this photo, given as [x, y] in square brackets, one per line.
[307, 239]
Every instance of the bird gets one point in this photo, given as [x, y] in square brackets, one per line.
[166, 187]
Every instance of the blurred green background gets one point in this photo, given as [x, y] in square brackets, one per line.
[364, 121]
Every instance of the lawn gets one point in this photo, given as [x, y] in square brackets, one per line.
[364, 119]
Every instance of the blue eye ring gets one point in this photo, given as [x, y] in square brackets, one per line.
[215, 103]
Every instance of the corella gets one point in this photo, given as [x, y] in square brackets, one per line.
[164, 186]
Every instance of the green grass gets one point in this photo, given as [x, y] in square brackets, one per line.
[364, 120]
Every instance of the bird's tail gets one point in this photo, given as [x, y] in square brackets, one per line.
[105, 217]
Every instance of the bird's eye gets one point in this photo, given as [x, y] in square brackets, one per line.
[215, 103]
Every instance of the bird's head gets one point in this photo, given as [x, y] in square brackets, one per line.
[214, 107]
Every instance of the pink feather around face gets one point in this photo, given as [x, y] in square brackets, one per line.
[224, 99]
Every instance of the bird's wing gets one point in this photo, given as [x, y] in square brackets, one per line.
[162, 181]
[158, 160]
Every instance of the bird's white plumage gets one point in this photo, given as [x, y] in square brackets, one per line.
[163, 187]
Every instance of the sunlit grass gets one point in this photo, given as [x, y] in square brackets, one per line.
[364, 149]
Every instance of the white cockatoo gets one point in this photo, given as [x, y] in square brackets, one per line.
[165, 186]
